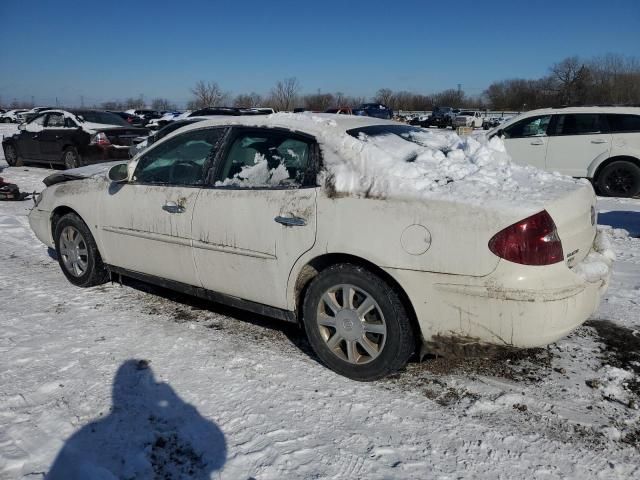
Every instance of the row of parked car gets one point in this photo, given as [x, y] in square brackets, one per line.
[598, 143]
[443, 117]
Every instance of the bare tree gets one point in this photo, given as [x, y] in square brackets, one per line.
[285, 94]
[384, 96]
[134, 103]
[208, 94]
[162, 104]
[248, 100]
[571, 76]
[319, 101]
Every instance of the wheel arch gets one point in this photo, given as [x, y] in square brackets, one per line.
[314, 266]
[596, 168]
[57, 214]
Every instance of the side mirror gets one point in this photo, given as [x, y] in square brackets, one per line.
[500, 133]
[119, 173]
[22, 126]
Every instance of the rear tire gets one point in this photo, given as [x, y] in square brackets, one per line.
[363, 334]
[621, 178]
[78, 254]
[71, 158]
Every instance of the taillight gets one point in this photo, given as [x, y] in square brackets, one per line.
[100, 139]
[532, 241]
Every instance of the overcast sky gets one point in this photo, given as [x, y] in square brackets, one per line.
[106, 50]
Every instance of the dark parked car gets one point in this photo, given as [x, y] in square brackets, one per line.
[71, 138]
[377, 110]
[133, 120]
[210, 111]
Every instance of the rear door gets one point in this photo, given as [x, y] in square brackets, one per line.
[575, 141]
[526, 141]
[258, 216]
[146, 223]
[55, 135]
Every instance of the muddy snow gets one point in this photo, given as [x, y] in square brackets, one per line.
[132, 381]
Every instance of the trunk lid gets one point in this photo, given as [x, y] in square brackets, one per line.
[124, 136]
[575, 217]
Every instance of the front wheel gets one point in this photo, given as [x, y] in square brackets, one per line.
[620, 178]
[78, 254]
[356, 323]
[11, 155]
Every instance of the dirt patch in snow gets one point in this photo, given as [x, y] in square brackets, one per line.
[621, 348]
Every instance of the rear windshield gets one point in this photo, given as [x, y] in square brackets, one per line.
[402, 141]
[105, 118]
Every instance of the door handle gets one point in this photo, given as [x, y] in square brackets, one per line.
[172, 207]
[291, 221]
[58, 137]
[34, 137]
[537, 142]
[598, 140]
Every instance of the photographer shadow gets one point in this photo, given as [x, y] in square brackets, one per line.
[150, 433]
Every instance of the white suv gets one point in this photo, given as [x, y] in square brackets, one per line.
[598, 143]
[468, 118]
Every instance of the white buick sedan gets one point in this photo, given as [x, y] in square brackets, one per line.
[381, 239]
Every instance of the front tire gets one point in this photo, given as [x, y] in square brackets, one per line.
[11, 155]
[71, 158]
[621, 178]
[356, 323]
[78, 254]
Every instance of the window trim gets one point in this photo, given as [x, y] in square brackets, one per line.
[315, 160]
[206, 168]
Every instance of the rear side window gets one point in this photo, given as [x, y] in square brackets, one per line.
[266, 159]
[55, 120]
[528, 127]
[624, 123]
[579, 124]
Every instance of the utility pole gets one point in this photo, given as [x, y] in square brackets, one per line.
[82, 101]
[459, 89]
[32, 102]
[57, 103]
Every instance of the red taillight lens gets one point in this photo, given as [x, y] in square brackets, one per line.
[532, 241]
[100, 139]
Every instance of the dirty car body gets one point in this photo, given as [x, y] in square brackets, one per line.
[197, 212]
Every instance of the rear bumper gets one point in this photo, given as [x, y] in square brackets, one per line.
[515, 306]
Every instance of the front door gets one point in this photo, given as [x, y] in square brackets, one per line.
[29, 139]
[526, 141]
[146, 223]
[259, 215]
[576, 141]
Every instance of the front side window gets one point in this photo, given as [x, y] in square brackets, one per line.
[529, 127]
[181, 160]
[578, 124]
[38, 121]
[265, 159]
[624, 123]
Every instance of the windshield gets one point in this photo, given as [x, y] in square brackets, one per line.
[105, 118]
[467, 114]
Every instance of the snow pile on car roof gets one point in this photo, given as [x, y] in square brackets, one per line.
[423, 163]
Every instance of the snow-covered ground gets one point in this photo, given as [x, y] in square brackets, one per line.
[159, 385]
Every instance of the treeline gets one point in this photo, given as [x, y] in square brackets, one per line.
[611, 79]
